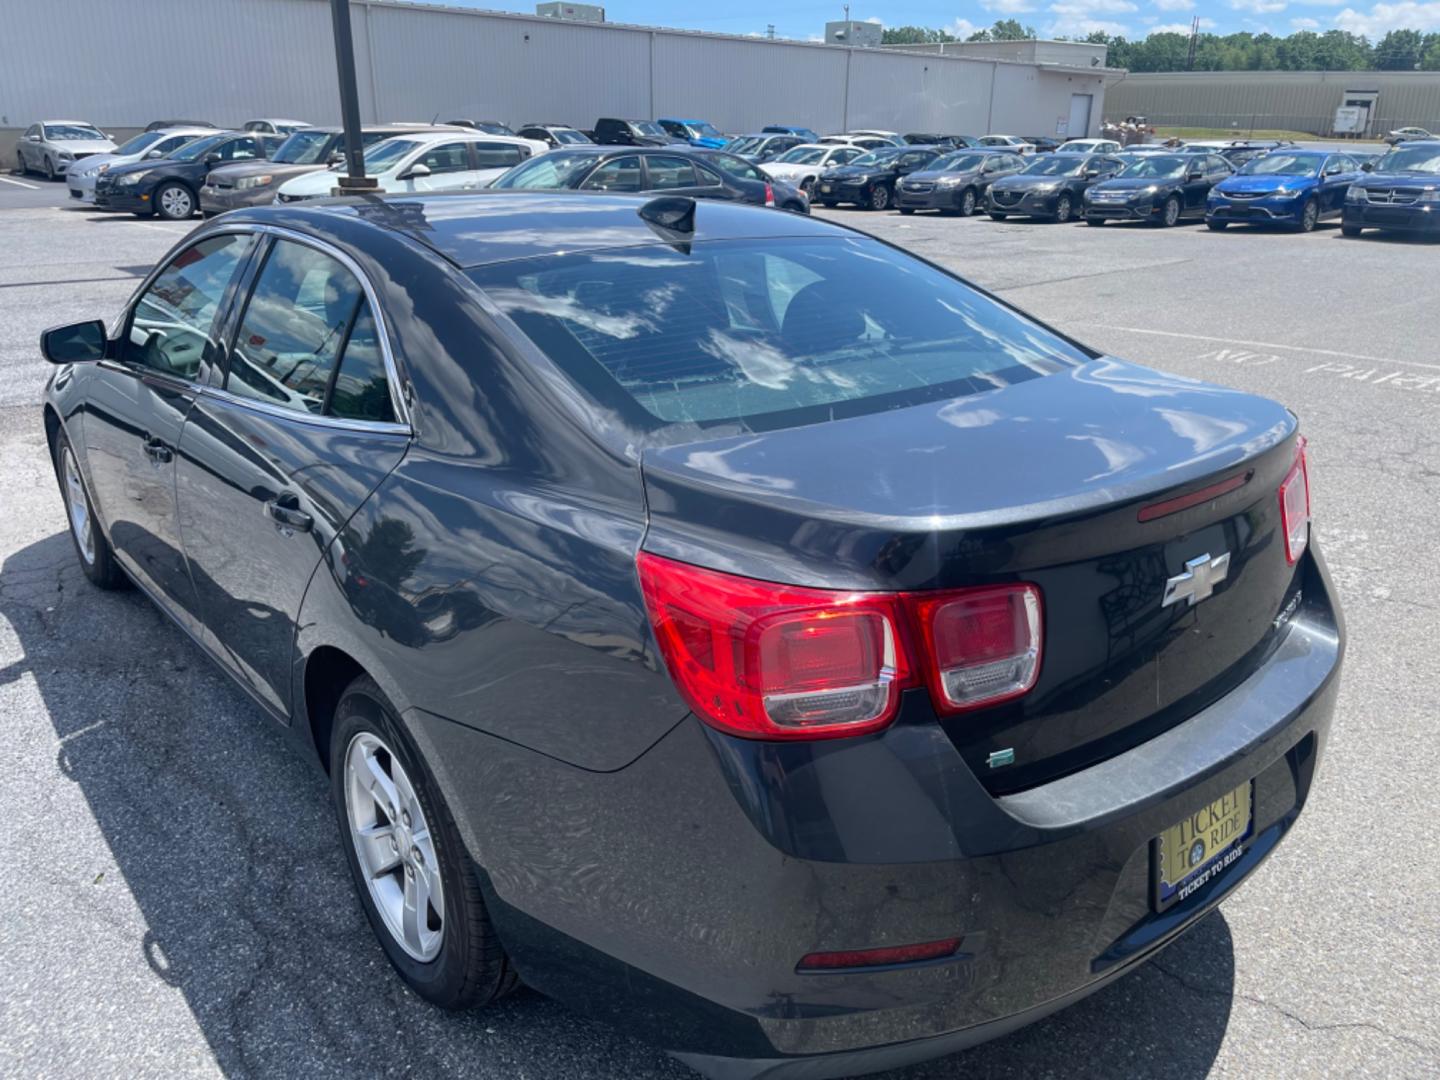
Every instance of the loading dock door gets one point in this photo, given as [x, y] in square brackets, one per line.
[1079, 125]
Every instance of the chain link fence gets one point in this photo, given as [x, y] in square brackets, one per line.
[1244, 126]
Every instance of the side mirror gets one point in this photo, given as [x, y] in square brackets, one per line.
[1091, 174]
[213, 158]
[74, 343]
[153, 154]
[1369, 166]
[335, 158]
[1196, 176]
[418, 171]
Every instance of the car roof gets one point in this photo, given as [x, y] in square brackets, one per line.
[274, 120]
[186, 129]
[476, 229]
[81, 123]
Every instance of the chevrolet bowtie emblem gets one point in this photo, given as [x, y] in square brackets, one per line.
[1198, 581]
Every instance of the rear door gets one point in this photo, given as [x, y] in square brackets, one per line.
[138, 408]
[680, 175]
[278, 457]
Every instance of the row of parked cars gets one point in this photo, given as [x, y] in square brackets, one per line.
[176, 168]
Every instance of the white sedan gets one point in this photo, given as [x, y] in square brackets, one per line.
[452, 160]
[1013, 143]
[1089, 146]
[801, 165]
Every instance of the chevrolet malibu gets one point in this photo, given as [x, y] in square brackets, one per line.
[722, 621]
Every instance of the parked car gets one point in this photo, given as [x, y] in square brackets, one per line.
[944, 142]
[158, 125]
[1090, 146]
[956, 183]
[52, 146]
[894, 138]
[1051, 187]
[1285, 187]
[254, 183]
[1407, 134]
[804, 133]
[673, 170]
[723, 614]
[169, 187]
[1162, 189]
[489, 127]
[869, 180]
[1043, 143]
[1242, 155]
[802, 165]
[1013, 143]
[866, 142]
[553, 135]
[1401, 194]
[80, 177]
[423, 161]
[612, 132]
[759, 149]
[695, 132]
[272, 126]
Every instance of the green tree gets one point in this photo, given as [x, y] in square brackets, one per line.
[1399, 50]
[1430, 57]
[914, 35]
[1005, 30]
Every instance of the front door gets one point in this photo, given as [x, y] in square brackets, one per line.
[275, 461]
[139, 406]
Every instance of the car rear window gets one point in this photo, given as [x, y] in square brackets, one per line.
[767, 333]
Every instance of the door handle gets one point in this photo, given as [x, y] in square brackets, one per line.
[158, 452]
[285, 511]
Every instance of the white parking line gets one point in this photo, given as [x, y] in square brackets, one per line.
[1272, 345]
[20, 183]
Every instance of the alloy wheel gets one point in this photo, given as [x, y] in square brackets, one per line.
[394, 846]
[1172, 212]
[175, 202]
[879, 197]
[1309, 216]
[1062, 209]
[20, 166]
[967, 202]
[77, 506]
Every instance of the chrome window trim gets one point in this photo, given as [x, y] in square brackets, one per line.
[392, 373]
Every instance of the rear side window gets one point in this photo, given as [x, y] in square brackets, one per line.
[670, 172]
[499, 155]
[620, 174]
[767, 332]
[303, 310]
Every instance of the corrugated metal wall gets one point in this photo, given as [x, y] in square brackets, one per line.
[229, 60]
[1298, 101]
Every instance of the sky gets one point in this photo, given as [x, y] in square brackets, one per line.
[1072, 18]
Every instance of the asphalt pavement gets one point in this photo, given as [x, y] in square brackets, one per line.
[175, 902]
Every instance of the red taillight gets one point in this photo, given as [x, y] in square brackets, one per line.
[983, 644]
[769, 195]
[772, 661]
[1295, 505]
[864, 958]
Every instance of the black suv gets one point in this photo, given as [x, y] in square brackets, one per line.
[612, 132]
[1401, 193]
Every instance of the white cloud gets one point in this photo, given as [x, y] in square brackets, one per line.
[1259, 7]
[1170, 28]
[1008, 7]
[1078, 28]
[1382, 18]
[961, 29]
[1304, 24]
[873, 19]
[1174, 5]
[1082, 8]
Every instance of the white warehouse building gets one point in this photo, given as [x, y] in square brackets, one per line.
[225, 61]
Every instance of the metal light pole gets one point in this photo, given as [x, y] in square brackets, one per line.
[353, 180]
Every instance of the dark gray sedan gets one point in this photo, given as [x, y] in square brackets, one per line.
[956, 183]
[1051, 187]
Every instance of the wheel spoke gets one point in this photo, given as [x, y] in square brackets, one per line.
[417, 907]
[381, 788]
[377, 849]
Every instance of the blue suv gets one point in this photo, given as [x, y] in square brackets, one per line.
[696, 133]
[1297, 188]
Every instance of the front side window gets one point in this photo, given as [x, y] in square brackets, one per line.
[173, 324]
[767, 333]
[569, 136]
[295, 324]
[168, 145]
[618, 174]
[198, 148]
[731, 164]
[845, 156]
[245, 149]
[386, 155]
[801, 155]
[670, 172]
[361, 390]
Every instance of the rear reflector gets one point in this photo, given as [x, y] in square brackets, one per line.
[1195, 498]
[771, 661]
[1295, 504]
[868, 958]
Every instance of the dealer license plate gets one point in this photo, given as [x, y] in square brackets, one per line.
[1204, 845]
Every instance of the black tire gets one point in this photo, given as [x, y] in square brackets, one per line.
[50, 169]
[1309, 217]
[995, 216]
[1350, 230]
[879, 198]
[1216, 226]
[1064, 209]
[1094, 221]
[20, 167]
[808, 187]
[1170, 215]
[829, 203]
[969, 199]
[471, 967]
[170, 199]
[906, 210]
[99, 563]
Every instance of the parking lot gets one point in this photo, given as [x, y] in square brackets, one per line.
[176, 902]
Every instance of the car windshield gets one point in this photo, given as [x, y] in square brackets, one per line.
[1078, 147]
[703, 129]
[747, 144]
[493, 127]
[194, 151]
[72, 132]
[1156, 166]
[767, 333]
[1420, 159]
[548, 171]
[877, 157]
[648, 127]
[1285, 164]
[958, 162]
[802, 155]
[140, 142]
[568, 135]
[303, 148]
[1057, 165]
[383, 157]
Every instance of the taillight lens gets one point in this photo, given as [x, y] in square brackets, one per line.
[769, 195]
[983, 645]
[1295, 505]
[772, 661]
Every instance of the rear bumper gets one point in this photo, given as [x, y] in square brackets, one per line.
[675, 896]
[1423, 219]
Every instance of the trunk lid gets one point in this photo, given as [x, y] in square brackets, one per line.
[1041, 481]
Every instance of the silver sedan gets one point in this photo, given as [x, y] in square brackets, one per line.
[52, 146]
